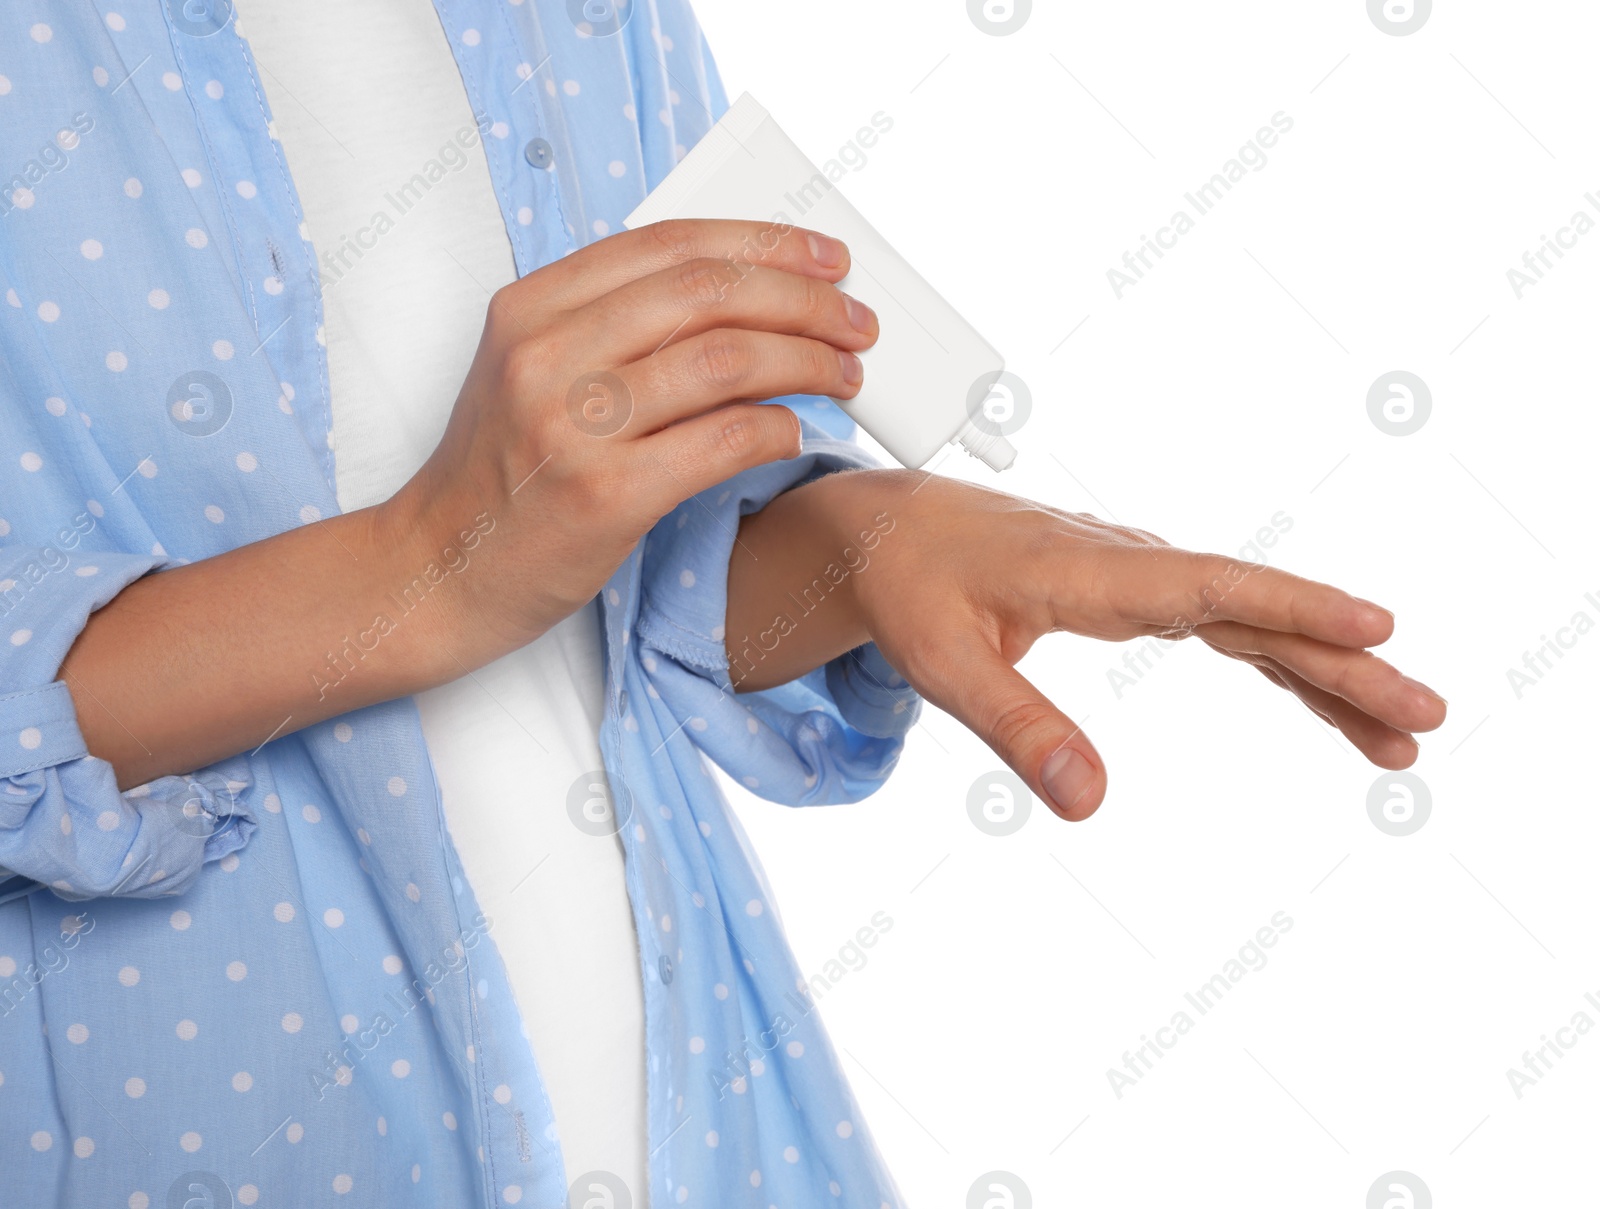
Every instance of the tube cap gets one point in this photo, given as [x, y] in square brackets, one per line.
[990, 448]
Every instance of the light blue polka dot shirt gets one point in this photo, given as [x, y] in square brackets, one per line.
[267, 983]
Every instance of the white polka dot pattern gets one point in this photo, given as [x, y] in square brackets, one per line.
[238, 964]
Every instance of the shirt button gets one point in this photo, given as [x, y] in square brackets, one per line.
[538, 153]
[666, 970]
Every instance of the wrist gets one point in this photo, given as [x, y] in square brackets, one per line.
[426, 549]
[793, 579]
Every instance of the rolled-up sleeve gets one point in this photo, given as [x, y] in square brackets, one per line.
[63, 821]
[833, 735]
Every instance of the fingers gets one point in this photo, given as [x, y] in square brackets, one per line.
[644, 315]
[1360, 677]
[610, 263]
[1041, 744]
[1181, 590]
[697, 454]
[1380, 743]
[1277, 600]
[729, 365]
[690, 413]
[1266, 670]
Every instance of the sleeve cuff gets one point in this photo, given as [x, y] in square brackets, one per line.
[832, 735]
[64, 823]
[38, 728]
[871, 695]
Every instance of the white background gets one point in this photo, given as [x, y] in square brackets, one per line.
[1227, 386]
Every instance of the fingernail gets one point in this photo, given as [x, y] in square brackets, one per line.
[1067, 776]
[860, 314]
[1377, 608]
[1421, 687]
[850, 366]
[826, 250]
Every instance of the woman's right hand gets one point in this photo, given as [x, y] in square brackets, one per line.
[547, 482]
[610, 386]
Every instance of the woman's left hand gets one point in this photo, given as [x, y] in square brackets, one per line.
[961, 581]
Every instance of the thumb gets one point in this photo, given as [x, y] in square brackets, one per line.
[1041, 744]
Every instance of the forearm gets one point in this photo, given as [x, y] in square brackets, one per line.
[791, 599]
[201, 662]
[188, 666]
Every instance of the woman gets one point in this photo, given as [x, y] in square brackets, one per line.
[316, 682]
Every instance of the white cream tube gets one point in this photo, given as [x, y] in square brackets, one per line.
[929, 375]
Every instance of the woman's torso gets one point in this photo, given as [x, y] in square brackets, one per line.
[379, 135]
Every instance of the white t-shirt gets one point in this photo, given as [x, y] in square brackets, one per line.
[363, 92]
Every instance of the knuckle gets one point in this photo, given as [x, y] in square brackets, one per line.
[721, 360]
[1215, 577]
[594, 489]
[1352, 672]
[702, 283]
[785, 428]
[525, 365]
[738, 437]
[1044, 540]
[673, 239]
[502, 300]
[820, 363]
[819, 301]
[1017, 723]
[500, 321]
